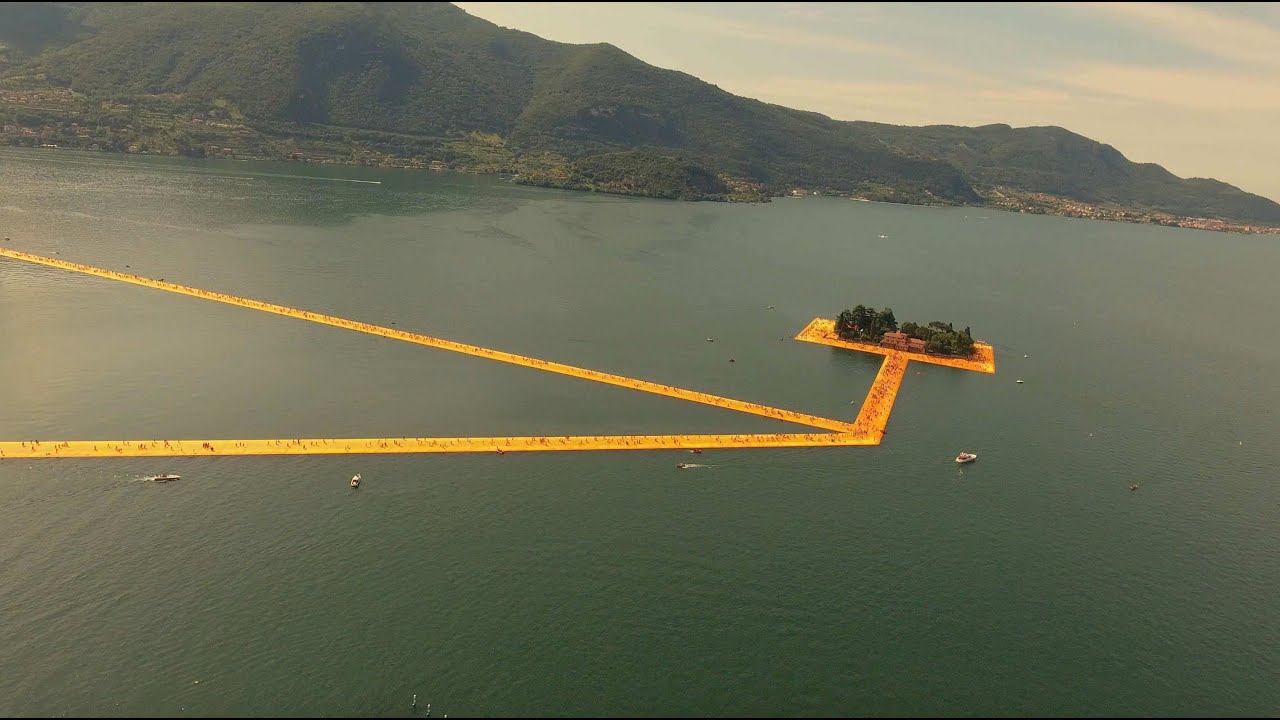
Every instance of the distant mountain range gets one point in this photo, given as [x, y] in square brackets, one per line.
[593, 115]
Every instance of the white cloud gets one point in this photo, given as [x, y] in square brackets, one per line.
[754, 36]
[1231, 38]
[859, 12]
[1202, 90]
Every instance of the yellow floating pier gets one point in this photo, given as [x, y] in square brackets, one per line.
[381, 446]
[867, 429]
[874, 416]
[500, 356]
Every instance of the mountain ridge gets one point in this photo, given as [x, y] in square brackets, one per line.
[566, 115]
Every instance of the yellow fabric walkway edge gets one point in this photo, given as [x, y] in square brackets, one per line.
[380, 446]
[500, 356]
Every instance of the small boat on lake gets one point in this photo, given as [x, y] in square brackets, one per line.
[682, 466]
[965, 457]
[355, 480]
[166, 478]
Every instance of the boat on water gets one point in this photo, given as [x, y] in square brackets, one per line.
[682, 466]
[1019, 381]
[355, 480]
[965, 457]
[166, 478]
[696, 451]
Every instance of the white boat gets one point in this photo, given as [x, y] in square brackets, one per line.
[166, 478]
[355, 481]
[965, 457]
[1019, 381]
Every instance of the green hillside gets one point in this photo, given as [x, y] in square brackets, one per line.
[1059, 162]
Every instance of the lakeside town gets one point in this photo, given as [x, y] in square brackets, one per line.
[57, 118]
[1043, 204]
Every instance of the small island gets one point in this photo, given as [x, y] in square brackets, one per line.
[866, 324]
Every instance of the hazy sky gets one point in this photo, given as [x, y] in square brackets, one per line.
[1194, 87]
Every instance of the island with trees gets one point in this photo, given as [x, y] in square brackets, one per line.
[866, 324]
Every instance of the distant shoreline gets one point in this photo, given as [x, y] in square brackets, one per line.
[1036, 204]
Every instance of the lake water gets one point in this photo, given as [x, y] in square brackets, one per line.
[798, 582]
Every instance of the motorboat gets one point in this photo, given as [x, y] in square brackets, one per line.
[1019, 381]
[711, 339]
[355, 480]
[965, 457]
[166, 478]
[682, 466]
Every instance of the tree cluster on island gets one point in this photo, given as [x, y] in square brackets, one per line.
[866, 324]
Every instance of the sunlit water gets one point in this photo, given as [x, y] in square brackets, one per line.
[799, 582]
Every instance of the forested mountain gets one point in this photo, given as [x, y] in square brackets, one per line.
[431, 72]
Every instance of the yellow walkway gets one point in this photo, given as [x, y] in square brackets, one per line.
[380, 446]
[867, 429]
[500, 356]
[874, 416]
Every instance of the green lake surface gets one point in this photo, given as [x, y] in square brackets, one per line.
[848, 581]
